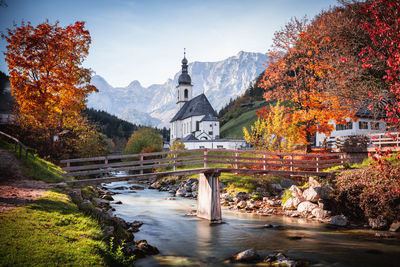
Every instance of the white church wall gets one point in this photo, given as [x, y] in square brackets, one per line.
[210, 127]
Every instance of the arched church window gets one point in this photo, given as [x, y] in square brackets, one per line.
[186, 93]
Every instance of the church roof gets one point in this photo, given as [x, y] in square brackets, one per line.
[189, 137]
[196, 107]
[209, 117]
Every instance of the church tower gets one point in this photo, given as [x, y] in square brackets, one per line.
[184, 84]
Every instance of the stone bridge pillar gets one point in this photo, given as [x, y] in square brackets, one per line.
[208, 200]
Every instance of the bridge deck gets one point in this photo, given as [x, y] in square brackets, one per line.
[191, 172]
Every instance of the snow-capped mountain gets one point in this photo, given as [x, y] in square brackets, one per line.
[156, 104]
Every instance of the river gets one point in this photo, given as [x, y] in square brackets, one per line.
[190, 241]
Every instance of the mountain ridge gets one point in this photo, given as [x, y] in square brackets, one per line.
[155, 105]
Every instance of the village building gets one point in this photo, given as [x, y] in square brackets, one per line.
[367, 123]
[196, 123]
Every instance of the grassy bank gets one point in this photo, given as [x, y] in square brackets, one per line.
[36, 168]
[51, 231]
[234, 127]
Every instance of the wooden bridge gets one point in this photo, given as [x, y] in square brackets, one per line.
[208, 163]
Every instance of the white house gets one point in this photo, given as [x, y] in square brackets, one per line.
[196, 123]
[366, 123]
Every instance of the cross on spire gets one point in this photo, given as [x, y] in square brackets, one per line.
[184, 52]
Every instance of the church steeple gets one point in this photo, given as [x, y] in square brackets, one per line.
[184, 83]
[184, 78]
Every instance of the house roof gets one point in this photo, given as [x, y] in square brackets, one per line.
[365, 112]
[196, 107]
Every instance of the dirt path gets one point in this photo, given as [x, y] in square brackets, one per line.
[15, 189]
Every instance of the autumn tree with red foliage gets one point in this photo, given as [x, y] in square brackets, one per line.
[383, 27]
[47, 80]
[300, 64]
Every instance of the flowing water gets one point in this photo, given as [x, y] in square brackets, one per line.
[190, 241]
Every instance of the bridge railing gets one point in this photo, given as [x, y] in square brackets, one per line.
[238, 161]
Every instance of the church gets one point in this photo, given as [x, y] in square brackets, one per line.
[196, 123]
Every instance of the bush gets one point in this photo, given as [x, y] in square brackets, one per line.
[144, 140]
[371, 191]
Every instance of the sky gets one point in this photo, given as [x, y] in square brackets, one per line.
[144, 40]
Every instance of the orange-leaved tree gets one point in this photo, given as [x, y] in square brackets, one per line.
[300, 63]
[276, 130]
[48, 81]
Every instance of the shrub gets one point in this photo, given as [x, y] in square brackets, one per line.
[144, 140]
[371, 191]
[286, 195]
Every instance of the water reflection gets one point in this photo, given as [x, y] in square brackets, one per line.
[189, 241]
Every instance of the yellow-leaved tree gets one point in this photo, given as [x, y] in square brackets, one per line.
[275, 130]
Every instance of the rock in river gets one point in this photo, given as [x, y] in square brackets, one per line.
[246, 256]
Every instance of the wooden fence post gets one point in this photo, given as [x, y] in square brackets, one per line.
[141, 163]
[265, 163]
[175, 167]
[205, 157]
[236, 159]
[291, 162]
[317, 159]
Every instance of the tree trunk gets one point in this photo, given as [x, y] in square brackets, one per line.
[308, 140]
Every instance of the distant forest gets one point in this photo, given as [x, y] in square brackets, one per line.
[253, 93]
[113, 127]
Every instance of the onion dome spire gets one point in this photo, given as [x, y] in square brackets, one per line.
[184, 78]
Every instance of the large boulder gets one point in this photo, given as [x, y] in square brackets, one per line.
[306, 207]
[180, 192]
[155, 185]
[286, 183]
[339, 220]
[146, 248]
[378, 223]
[276, 187]
[248, 255]
[242, 204]
[311, 194]
[289, 204]
[241, 196]
[319, 213]
[325, 192]
[295, 191]
[395, 227]
[313, 182]
[297, 201]
[227, 197]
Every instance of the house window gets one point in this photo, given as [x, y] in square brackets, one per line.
[220, 146]
[363, 125]
[375, 126]
[347, 126]
[210, 133]
[197, 126]
[186, 93]
[201, 146]
[211, 125]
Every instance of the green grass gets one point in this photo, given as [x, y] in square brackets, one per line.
[36, 168]
[366, 163]
[234, 127]
[51, 231]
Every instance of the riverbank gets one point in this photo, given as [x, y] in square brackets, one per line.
[39, 223]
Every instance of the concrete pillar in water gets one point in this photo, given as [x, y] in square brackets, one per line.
[208, 200]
